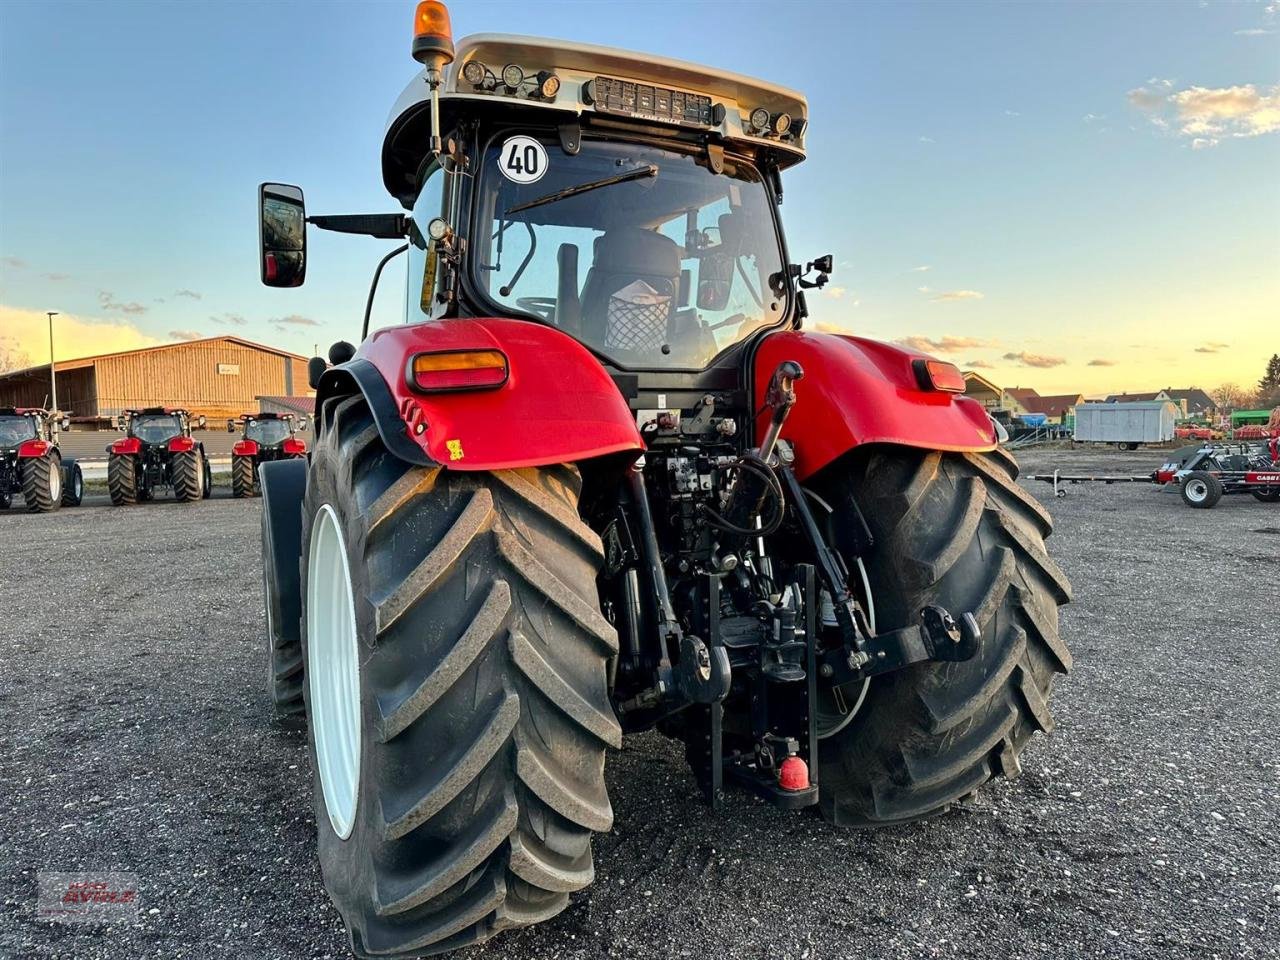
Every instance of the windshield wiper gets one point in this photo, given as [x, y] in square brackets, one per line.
[639, 173]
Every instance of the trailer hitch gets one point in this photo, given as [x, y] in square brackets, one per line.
[938, 636]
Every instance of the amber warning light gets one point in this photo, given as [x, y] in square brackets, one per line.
[432, 35]
[939, 375]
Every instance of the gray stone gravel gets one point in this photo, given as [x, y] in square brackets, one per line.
[135, 737]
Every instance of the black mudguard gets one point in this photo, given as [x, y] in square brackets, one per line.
[283, 483]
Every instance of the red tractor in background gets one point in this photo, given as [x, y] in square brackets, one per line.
[266, 437]
[158, 450]
[32, 464]
[550, 510]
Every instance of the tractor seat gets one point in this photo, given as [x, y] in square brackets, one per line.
[632, 290]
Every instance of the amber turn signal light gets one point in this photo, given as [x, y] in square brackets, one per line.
[455, 370]
[938, 375]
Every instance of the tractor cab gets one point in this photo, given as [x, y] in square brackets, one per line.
[265, 437]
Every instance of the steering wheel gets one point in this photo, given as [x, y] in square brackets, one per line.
[545, 307]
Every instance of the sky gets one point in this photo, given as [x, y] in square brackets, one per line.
[1068, 196]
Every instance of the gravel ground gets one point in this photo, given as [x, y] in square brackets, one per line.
[136, 738]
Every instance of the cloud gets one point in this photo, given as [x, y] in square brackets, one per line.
[979, 365]
[1102, 363]
[1012, 113]
[57, 277]
[233, 319]
[185, 334]
[189, 293]
[826, 326]
[1024, 359]
[950, 295]
[1092, 117]
[109, 302]
[1212, 347]
[928, 140]
[923, 268]
[834, 292]
[73, 335]
[947, 344]
[1210, 114]
[16, 262]
[1255, 32]
[295, 320]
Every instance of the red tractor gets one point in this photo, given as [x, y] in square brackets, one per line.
[158, 450]
[266, 437]
[32, 464]
[601, 481]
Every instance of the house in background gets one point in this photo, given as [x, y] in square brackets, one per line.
[1193, 401]
[1022, 402]
[979, 388]
[1058, 409]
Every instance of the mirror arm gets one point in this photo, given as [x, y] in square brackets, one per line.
[373, 287]
[384, 226]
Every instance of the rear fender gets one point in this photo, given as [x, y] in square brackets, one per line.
[558, 405]
[857, 391]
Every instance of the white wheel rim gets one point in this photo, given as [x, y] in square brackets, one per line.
[55, 481]
[79, 486]
[333, 671]
[1197, 490]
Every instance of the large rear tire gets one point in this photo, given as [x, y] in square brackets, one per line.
[467, 777]
[42, 483]
[954, 530]
[188, 476]
[122, 479]
[244, 481]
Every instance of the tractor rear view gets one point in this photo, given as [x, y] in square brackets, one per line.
[32, 464]
[157, 450]
[601, 481]
[266, 438]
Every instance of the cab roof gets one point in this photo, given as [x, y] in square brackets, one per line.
[405, 139]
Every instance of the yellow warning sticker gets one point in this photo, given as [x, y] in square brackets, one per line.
[455, 449]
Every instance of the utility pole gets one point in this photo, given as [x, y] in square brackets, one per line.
[53, 376]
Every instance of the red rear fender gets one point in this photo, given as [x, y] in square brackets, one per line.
[857, 391]
[32, 448]
[245, 448]
[126, 445]
[556, 405]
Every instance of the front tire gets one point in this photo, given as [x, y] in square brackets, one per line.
[244, 481]
[954, 530]
[478, 662]
[72, 485]
[42, 483]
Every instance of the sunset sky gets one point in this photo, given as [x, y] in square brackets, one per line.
[1066, 196]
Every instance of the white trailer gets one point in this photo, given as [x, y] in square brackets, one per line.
[1126, 424]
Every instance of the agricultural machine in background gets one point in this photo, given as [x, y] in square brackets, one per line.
[1203, 473]
[266, 437]
[32, 464]
[602, 481]
[157, 450]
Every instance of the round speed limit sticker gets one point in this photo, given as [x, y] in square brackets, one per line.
[523, 159]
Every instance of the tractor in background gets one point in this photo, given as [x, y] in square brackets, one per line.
[602, 481]
[32, 464]
[266, 437]
[157, 450]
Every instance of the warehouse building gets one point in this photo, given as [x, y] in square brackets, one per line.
[219, 377]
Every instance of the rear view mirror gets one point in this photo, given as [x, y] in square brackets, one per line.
[302, 423]
[231, 426]
[66, 423]
[715, 282]
[202, 421]
[282, 235]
